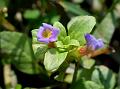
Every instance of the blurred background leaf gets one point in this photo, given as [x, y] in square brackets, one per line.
[4, 3]
[106, 28]
[103, 76]
[31, 14]
[16, 48]
[73, 8]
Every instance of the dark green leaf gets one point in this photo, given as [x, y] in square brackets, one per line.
[82, 84]
[18, 49]
[84, 73]
[103, 76]
[92, 85]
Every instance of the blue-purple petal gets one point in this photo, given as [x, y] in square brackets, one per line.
[47, 26]
[53, 36]
[89, 37]
[55, 32]
[44, 40]
[92, 43]
[40, 31]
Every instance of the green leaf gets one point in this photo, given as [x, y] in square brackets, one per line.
[73, 8]
[84, 73]
[38, 48]
[31, 14]
[74, 42]
[79, 26]
[53, 59]
[103, 76]
[66, 40]
[106, 28]
[55, 19]
[82, 84]
[4, 3]
[78, 85]
[18, 86]
[62, 29]
[17, 48]
[59, 44]
[34, 35]
[117, 87]
[70, 42]
[87, 62]
[60, 77]
[92, 85]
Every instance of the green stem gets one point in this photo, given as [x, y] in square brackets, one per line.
[113, 5]
[75, 72]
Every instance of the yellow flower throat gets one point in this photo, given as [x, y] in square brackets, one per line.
[47, 33]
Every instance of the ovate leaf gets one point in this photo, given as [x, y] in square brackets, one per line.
[87, 62]
[103, 76]
[82, 84]
[17, 48]
[53, 59]
[38, 48]
[79, 26]
[106, 28]
[92, 85]
[62, 29]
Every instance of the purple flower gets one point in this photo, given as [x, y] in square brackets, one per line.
[47, 33]
[93, 43]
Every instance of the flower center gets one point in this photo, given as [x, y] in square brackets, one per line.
[47, 33]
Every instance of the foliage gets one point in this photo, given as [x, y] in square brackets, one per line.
[66, 62]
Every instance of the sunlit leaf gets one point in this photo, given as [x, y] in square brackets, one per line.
[62, 29]
[53, 59]
[79, 26]
[38, 48]
[87, 62]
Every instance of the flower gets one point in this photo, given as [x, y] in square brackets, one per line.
[93, 43]
[47, 33]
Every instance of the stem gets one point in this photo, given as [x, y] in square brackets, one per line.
[75, 72]
[6, 24]
[113, 5]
